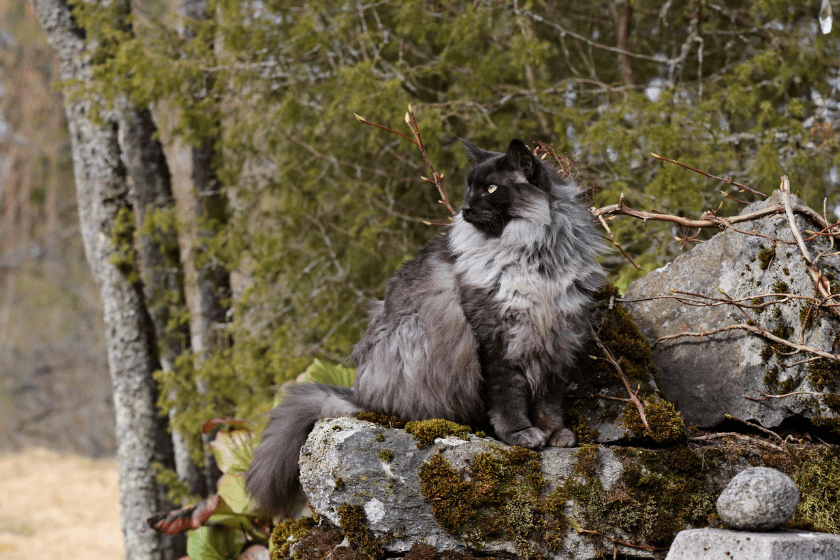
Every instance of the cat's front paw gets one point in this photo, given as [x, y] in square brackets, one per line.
[532, 438]
[562, 438]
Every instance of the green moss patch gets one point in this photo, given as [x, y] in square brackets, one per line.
[595, 376]
[426, 431]
[766, 256]
[824, 375]
[386, 455]
[666, 423]
[289, 532]
[353, 523]
[381, 419]
[660, 493]
[500, 496]
[818, 480]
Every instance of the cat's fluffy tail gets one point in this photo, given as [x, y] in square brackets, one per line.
[272, 479]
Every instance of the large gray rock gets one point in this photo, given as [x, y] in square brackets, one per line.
[485, 498]
[715, 544]
[347, 461]
[710, 377]
[758, 499]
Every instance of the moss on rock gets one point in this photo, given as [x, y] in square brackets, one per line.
[287, 533]
[666, 423]
[426, 431]
[381, 419]
[594, 376]
[353, 524]
[766, 256]
[659, 493]
[818, 480]
[500, 496]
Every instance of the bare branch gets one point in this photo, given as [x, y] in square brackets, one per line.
[710, 176]
[634, 397]
[755, 330]
[411, 121]
[785, 188]
[752, 440]
[770, 433]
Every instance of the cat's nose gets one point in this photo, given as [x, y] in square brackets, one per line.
[466, 210]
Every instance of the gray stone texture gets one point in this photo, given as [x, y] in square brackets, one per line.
[758, 499]
[340, 464]
[709, 377]
[716, 544]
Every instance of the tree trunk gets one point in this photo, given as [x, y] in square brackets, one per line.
[104, 208]
[208, 310]
[160, 258]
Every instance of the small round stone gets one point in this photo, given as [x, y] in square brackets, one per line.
[758, 499]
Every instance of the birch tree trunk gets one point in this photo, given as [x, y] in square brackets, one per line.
[103, 200]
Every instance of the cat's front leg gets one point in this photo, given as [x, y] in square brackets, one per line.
[548, 416]
[508, 395]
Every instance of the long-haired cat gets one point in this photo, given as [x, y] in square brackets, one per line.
[479, 328]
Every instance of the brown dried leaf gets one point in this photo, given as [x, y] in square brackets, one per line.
[184, 519]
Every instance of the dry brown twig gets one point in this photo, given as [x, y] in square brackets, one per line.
[755, 330]
[709, 175]
[634, 396]
[742, 437]
[411, 121]
[770, 433]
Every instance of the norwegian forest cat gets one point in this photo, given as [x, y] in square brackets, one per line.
[480, 328]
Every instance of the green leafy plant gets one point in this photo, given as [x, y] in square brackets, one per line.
[226, 523]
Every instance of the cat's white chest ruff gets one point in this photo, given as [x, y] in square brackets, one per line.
[528, 306]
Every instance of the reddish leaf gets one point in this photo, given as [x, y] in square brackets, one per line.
[184, 519]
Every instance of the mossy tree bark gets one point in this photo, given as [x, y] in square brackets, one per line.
[211, 298]
[160, 258]
[103, 202]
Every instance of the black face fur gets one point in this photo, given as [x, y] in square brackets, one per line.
[498, 186]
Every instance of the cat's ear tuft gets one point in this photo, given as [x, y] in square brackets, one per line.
[477, 155]
[521, 157]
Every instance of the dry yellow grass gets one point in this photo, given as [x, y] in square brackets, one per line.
[58, 506]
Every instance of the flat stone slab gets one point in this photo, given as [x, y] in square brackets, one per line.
[714, 544]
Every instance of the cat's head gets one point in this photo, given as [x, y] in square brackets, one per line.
[502, 187]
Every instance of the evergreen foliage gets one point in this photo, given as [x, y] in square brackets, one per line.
[324, 209]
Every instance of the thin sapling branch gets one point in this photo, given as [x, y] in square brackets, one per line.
[411, 121]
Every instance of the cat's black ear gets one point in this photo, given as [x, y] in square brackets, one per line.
[521, 157]
[476, 154]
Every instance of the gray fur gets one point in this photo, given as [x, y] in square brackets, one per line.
[479, 328]
[272, 476]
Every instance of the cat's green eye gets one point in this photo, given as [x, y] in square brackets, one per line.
[491, 188]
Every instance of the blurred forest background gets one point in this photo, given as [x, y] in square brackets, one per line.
[289, 214]
[54, 384]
